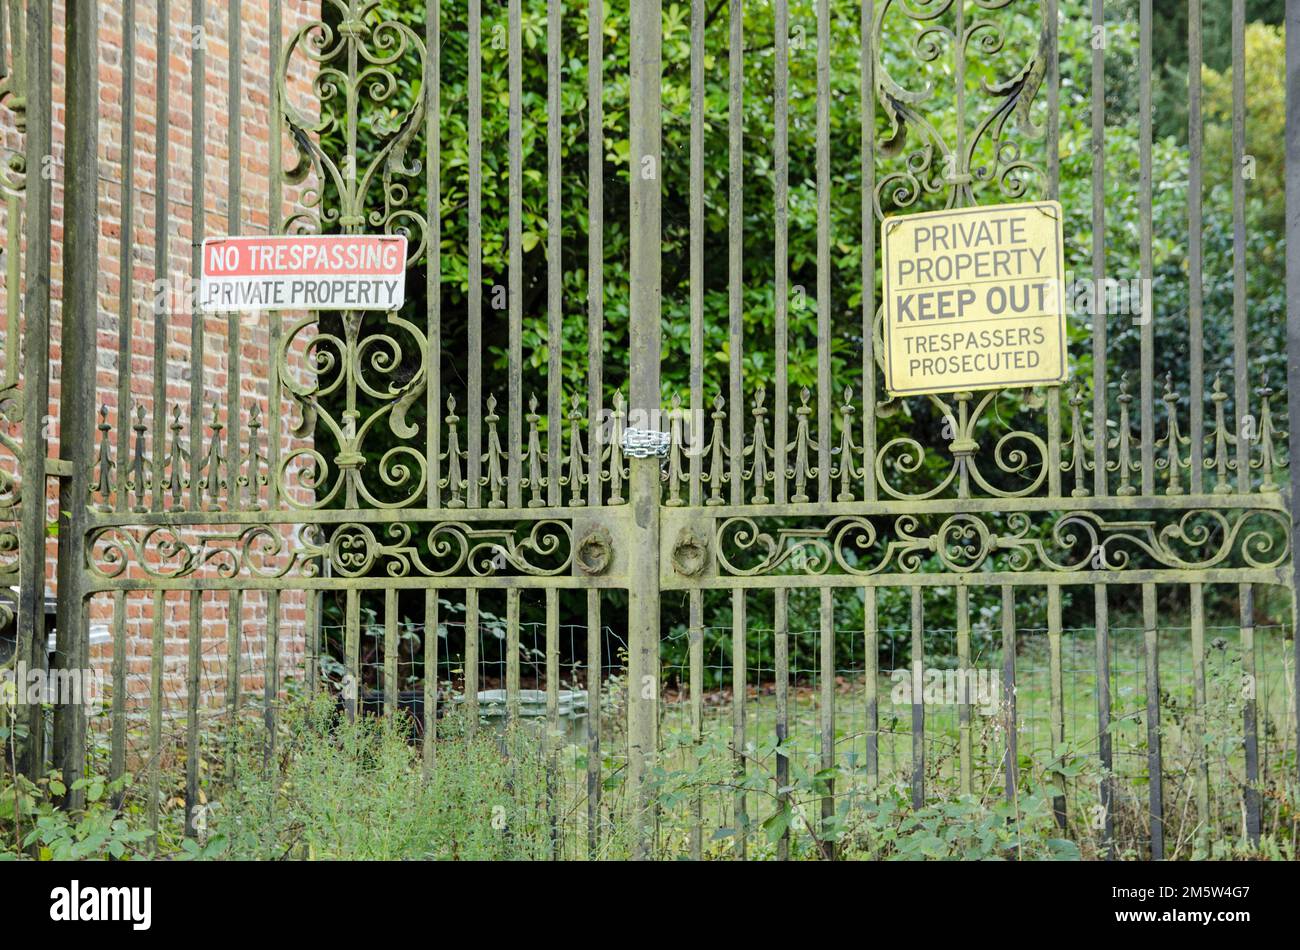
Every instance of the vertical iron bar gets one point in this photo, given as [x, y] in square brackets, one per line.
[125, 311]
[234, 165]
[1250, 711]
[1244, 428]
[234, 647]
[738, 696]
[959, 161]
[963, 672]
[825, 387]
[126, 254]
[433, 256]
[594, 670]
[1147, 329]
[36, 379]
[1012, 761]
[1151, 652]
[871, 662]
[162, 308]
[1101, 617]
[1056, 693]
[781, 208]
[1196, 595]
[554, 264]
[430, 678]
[1053, 119]
[1240, 356]
[512, 656]
[735, 247]
[1195, 281]
[312, 647]
[193, 672]
[274, 212]
[392, 647]
[235, 160]
[471, 657]
[1098, 111]
[697, 711]
[1100, 484]
[155, 710]
[554, 737]
[782, 671]
[645, 164]
[1293, 305]
[198, 152]
[918, 699]
[271, 681]
[698, 413]
[867, 116]
[474, 413]
[827, 712]
[77, 388]
[595, 254]
[352, 652]
[514, 355]
[1053, 393]
[117, 762]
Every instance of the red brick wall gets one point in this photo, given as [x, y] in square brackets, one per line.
[139, 248]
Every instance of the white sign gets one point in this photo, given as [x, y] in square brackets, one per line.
[303, 272]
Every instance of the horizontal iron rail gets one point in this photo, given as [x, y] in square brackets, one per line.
[1263, 501]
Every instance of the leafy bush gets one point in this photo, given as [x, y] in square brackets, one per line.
[33, 825]
[359, 790]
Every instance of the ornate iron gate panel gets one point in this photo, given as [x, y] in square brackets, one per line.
[433, 497]
[1089, 490]
[312, 497]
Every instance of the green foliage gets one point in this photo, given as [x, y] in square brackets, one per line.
[757, 173]
[1170, 52]
[758, 249]
[893, 621]
[964, 828]
[357, 791]
[340, 790]
[843, 227]
[917, 418]
[32, 824]
[1265, 133]
[865, 823]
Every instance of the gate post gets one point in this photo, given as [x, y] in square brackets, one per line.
[1293, 310]
[36, 376]
[645, 63]
[77, 388]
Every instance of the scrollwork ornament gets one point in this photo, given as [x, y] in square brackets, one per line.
[935, 164]
[382, 365]
[961, 543]
[351, 550]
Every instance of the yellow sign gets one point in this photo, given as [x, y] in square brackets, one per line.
[974, 298]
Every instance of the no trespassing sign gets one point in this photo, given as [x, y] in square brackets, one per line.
[303, 272]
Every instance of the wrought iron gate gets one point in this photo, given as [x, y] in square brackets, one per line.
[175, 511]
